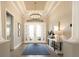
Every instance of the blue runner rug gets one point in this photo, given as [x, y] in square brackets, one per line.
[36, 49]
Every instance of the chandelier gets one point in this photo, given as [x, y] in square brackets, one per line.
[35, 16]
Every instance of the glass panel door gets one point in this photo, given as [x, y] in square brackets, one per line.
[31, 32]
[38, 32]
[34, 32]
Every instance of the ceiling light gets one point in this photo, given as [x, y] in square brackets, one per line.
[35, 16]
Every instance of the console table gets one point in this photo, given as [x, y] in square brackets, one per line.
[57, 46]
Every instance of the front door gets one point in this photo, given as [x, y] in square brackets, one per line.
[35, 32]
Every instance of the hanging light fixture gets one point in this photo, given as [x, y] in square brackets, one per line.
[35, 15]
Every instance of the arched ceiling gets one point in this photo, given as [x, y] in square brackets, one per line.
[35, 5]
[41, 7]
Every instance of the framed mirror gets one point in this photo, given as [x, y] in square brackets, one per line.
[19, 26]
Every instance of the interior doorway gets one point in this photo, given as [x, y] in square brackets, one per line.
[9, 29]
[35, 32]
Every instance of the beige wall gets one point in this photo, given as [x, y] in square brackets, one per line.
[62, 13]
[0, 20]
[17, 18]
[71, 46]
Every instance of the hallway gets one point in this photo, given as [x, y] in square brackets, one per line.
[25, 22]
[39, 28]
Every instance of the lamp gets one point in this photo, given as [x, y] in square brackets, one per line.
[59, 38]
[59, 33]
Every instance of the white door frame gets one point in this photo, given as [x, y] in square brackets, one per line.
[12, 37]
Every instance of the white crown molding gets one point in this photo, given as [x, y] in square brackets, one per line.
[57, 4]
[20, 7]
[13, 3]
[50, 6]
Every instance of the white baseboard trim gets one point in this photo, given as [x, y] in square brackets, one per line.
[17, 46]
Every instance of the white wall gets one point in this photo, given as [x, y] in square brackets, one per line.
[17, 18]
[75, 21]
